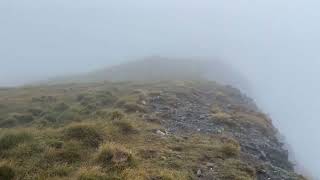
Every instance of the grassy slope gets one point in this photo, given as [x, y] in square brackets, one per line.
[97, 131]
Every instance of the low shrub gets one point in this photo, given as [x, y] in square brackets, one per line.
[62, 117]
[12, 139]
[81, 97]
[35, 111]
[69, 115]
[52, 116]
[23, 118]
[44, 99]
[89, 109]
[115, 156]
[105, 98]
[61, 107]
[88, 134]
[7, 123]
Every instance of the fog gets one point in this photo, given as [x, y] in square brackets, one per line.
[273, 43]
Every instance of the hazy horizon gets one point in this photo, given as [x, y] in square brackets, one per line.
[274, 44]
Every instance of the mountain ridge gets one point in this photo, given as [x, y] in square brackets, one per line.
[166, 130]
[155, 68]
[174, 125]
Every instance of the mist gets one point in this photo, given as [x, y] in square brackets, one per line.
[272, 43]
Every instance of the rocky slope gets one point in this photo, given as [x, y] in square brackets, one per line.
[209, 110]
[138, 130]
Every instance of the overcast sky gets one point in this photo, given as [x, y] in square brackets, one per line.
[274, 43]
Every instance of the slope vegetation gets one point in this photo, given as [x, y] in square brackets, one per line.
[170, 130]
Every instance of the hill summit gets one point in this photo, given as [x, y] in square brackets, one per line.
[162, 69]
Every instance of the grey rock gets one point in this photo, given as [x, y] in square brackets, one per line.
[199, 173]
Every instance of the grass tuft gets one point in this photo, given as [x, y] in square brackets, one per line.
[116, 115]
[236, 170]
[230, 148]
[114, 156]
[89, 135]
[70, 153]
[126, 127]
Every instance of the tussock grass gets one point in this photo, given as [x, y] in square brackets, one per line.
[126, 127]
[70, 153]
[237, 170]
[230, 148]
[88, 134]
[114, 156]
